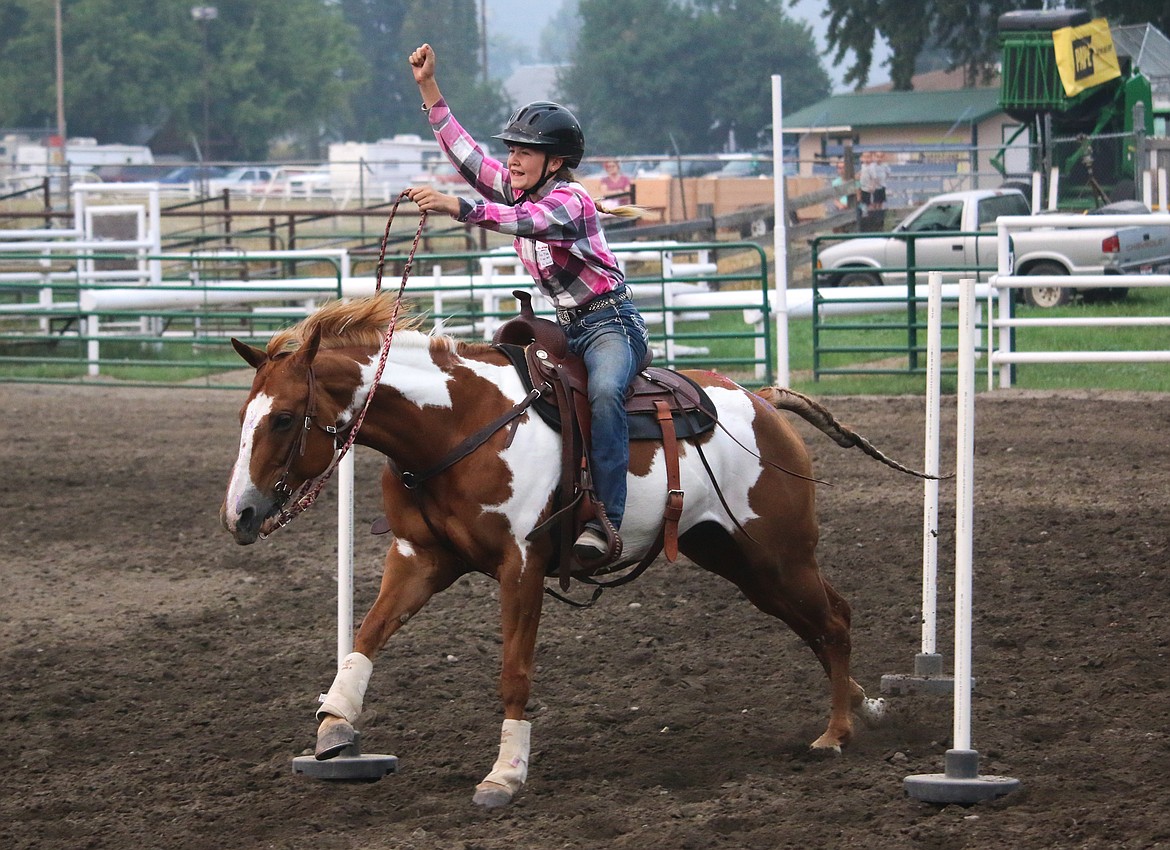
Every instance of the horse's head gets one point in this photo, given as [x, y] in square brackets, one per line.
[283, 438]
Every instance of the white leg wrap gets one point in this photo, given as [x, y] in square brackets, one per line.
[511, 768]
[349, 689]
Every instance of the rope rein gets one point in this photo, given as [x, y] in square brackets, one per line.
[310, 490]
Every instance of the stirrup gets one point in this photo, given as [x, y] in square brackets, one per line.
[591, 545]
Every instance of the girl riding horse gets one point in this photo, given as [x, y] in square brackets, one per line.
[559, 239]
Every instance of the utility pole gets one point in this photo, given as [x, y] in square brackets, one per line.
[204, 14]
[483, 38]
[61, 97]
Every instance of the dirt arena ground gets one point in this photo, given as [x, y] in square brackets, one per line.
[159, 679]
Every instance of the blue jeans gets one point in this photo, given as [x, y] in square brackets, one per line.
[612, 342]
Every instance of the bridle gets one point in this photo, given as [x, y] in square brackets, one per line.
[296, 448]
[302, 499]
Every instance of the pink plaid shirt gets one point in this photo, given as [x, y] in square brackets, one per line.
[558, 233]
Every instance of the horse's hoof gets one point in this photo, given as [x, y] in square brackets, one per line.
[825, 745]
[333, 739]
[491, 796]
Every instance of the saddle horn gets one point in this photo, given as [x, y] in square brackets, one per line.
[528, 327]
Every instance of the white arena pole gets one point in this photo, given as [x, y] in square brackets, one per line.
[961, 782]
[345, 477]
[964, 514]
[779, 236]
[928, 664]
[352, 764]
[930, 486]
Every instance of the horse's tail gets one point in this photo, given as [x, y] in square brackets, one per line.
[819, 416]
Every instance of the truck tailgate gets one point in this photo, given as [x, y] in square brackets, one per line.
[1143, 248]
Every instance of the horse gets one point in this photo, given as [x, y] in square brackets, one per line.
[749, 511]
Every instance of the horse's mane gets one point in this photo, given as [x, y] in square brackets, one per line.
[360, 322]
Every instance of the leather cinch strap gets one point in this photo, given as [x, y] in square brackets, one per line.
[674, 494]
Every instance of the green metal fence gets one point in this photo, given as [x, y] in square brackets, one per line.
[167, 320]
[899, 334]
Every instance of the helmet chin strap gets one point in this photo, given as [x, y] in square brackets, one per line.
[544, 178]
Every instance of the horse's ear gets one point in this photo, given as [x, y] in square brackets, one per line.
[308, 351]
[255, 356]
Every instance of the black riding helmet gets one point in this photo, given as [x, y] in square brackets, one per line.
[549, 127]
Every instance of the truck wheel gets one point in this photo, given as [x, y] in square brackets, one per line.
[859, 279]
[1047, 296]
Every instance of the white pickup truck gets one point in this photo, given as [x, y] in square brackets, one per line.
[1142, 248]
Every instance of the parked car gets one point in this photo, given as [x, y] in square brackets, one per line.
[307, 182]
[871, 261]
[717, 165]
[245, 179]
[682, 167]
[192, 173]
[439, 173]
[744, 165]
[131, 173]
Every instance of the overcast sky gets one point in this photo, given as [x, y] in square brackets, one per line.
[524, 20]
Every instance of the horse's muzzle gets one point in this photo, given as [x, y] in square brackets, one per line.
[245, 527]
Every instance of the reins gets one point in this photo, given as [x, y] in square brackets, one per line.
[311, 489]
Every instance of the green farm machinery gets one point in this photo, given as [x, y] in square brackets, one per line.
[1081, 108]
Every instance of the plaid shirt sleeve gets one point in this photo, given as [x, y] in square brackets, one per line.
[556, 218]
[489, 177]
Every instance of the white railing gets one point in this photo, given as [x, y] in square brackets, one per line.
[1004, 282]
[98, 302]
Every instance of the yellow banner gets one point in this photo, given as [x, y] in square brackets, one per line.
[1085, 56]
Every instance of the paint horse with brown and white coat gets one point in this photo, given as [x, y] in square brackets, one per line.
[749, 512]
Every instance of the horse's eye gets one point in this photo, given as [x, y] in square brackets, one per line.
[282, 421]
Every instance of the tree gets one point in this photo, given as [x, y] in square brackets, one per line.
[380, 102]
[387, 102]
[1155, 12]
[965, 31]
[26, 79]
[281, 67]
[135, 71]
[451, 27]
[669, 75]
[558, 39]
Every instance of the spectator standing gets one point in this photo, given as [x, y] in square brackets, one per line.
[874, 173]
[841, 202]
[616, 185]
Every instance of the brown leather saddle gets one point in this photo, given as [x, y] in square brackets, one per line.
[662, 405]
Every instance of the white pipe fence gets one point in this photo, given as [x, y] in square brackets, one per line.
[1004, 282]
[683, 292]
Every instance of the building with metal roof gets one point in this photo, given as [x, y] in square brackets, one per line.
[965, 119]
[1149, 50]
